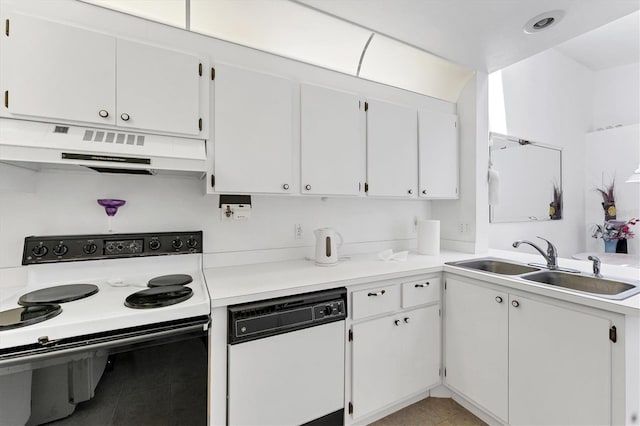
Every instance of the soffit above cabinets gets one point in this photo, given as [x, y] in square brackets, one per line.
[429, 47]
[296, 31]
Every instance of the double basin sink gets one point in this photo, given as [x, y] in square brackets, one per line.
[608, 288]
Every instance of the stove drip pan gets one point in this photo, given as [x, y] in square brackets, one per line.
[27, 315]
[58, 294]
[157, 297]
[168, 280]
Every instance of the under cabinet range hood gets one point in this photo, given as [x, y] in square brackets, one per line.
[40, 145]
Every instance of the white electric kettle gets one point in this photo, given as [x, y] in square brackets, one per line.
[327, 246]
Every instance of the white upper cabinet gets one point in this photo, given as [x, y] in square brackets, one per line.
[254, 140]
[392, 150]
[60, 72]
[158, 89]
[438, 154]
[333, 149]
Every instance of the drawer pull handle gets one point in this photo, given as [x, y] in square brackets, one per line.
[406, 320]
[397, 323]
[377, 293]
[422, 285]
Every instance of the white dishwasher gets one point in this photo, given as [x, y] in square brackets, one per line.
[286, 360]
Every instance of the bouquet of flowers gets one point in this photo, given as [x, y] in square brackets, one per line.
[615, 230]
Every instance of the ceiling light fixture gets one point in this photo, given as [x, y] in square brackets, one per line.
[543, 21]
[635, 177]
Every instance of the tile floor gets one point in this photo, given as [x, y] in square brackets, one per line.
[431, 412]
[171, 379]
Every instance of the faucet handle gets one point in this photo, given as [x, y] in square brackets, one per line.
[551, 249]
[596, 265]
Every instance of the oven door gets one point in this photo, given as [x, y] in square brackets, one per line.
[288, 379]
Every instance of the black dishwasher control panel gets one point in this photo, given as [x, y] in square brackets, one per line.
[255, 320]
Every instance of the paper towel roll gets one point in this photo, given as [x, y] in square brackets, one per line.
[429, 237]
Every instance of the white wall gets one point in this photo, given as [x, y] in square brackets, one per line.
[616, 96]
[546, 98]
[64, 202]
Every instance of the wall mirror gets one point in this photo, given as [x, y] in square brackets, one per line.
[525, 180]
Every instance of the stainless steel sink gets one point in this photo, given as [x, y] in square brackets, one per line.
[497, 266]
[609, 288]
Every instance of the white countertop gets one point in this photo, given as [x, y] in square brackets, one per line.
[245, 283]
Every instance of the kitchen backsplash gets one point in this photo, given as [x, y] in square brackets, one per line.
[54, 202]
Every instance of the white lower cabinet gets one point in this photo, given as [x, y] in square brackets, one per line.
[395, 356]
[527, 360]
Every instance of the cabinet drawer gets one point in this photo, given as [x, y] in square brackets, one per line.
[416, 293]
[374, 301]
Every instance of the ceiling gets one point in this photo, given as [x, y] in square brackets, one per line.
[480, 34]
[612, 45]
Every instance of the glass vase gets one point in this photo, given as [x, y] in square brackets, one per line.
[610, 246]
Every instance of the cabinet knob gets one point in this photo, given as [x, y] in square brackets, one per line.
[103, 113]
[377, 293]
[424, 191]
[498, 299]
[515, 303]
[124, 116]
[307, 187]
[397, 323]
[406, 320]
[422, 285]
[285, 186]
[410, 191]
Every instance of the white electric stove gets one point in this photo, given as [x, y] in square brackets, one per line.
[87, 296]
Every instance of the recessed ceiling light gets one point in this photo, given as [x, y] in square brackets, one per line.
[544, 21]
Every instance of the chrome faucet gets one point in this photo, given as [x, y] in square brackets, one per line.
[596, 266]
[551, 256]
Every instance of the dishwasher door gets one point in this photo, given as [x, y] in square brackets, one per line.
[287, 379]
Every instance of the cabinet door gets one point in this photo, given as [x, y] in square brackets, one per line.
[438, 154]
[392, 150]
[158, 89]
[559, 365]
[57, 71]
[333, 150]
[418, 351]
[476, 350]
[253, 144]
[374, 365]
[394, 357]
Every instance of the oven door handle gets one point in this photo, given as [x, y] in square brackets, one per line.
[56, 348]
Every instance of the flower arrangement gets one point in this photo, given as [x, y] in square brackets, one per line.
[615, 230]
[608, 200]
[555, 207]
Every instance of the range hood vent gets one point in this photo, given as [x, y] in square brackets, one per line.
[45, 145]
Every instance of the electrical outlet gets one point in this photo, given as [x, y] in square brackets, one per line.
[464, 228]
[297, 231]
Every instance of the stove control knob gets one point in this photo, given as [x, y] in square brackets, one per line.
[89, 248]
[154, 244]
[192, 243]
[40, 250]
[328, 310]
[177, 243]
[60, 250]
[134, 247]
